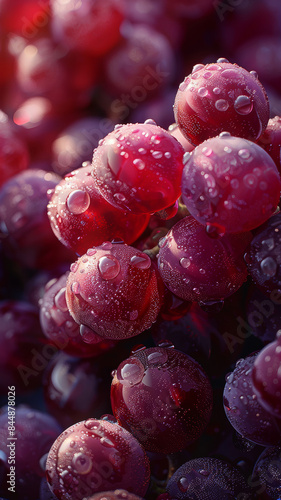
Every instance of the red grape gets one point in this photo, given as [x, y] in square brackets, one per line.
[266, 376]
[138, 167]
[81, 218]
[114, 290]
[221, 96]
[14, 155]
[95, 455]
[163, 397]
[231, 183]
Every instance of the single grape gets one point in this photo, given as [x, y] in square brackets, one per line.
[230, 183]
[94, 455]
[25, 228]
[34, 434]
[243, 408]
[91, 27]
[263, 259]
[186, 253]
[24, 352]
[81, 218]
[266, 378]
[208, 479]
[163, 397]
[76, 142]
[221, 96]
[138, 167]
[266, 478]
[114, 290]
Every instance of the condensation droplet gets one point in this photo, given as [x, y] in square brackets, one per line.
[221, 105]
[131, 371]
[158, 357]
[216, 90]
[207, 151]
[141, 261]
[244, 153]
[89, 336]
[119, 196]
[157, 154]
[139, 164]
[78, 201]
[133, 315]
[60, 300]
[243, 105]
[269, 266]
[184, 84]
[185, 262]
[202, 92]
[250, 181]
[75, 287]
[183, 484]
[109, 267]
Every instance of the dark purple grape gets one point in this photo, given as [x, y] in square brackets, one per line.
[266, 478]
[243, 409]
[94, 455]
[263, 257]
[208, 479]
[115, 291]
[199, 268]
[35, 432]
[24, 351]
[76, 388]
[163, 397]
[266, 378]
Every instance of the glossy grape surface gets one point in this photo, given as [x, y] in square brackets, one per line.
[163, 397]
[35, 432]
[243, 409]
[94, 455]
[232, 183]
[221, 96]
[114, 290]
[267, 378]
[184, 262]
[263, 257]
[138, 167]
[81, 218]
[207, 479]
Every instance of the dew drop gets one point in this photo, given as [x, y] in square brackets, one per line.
[75, 288]
[184, 84]
[222, 60]
[109, 267]
[141, 261]
[60, 300]
[244, 153]
[207, 151]
[119, 197]
[221, 105]
[139, 164]
[197, 67]
[254, 73]
[234, 183]
[131, 371]
[158, 357]
[91, 423]
[202, 92]
[243, 105]
[157, 154]
[78, 201]
[207, 75]
[224, 135]
[216, 90]
[107, 442]
[185, 262]
[250, 181]
[183, 484]
[142, 151]
[204, 472]
[150, 121]
[91, 251]
[269, 266]
[133, 315]
[89, 336]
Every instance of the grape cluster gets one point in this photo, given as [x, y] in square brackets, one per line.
[140, 278]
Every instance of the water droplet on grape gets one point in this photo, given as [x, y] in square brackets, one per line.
[269, 266]
[139, 164]
[157, 154]
[243, 105]
[78, 201]
[221, 105]
[60, 300]
[82, 463]
[109, 267]
[131, 371]
[202, 92]
[141, 261]
[75, 287]
[185, 262]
